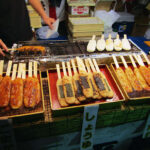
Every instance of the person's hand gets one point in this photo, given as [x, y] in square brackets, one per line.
[49, 22]
[3, 46]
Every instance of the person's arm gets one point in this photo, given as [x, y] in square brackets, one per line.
[36, 4]
[3, 46]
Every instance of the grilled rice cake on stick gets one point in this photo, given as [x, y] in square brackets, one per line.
[131, 77]
[30, 90]
[139, 76]
[1, 69]
[5, 87]
[91, 47]
[117, 43]
[60, 91]
[101, 44]
[125, 43]
[70, 75]
[37, 84]
[68, 87]
[98, 80]
[143, 69]
[122, 77]
[109, 44]
[96, 94]
[84, 79]
[16, 98]
[76, 84]
[109, 91]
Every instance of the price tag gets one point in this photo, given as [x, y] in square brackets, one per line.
[146, 133]
[88, 127]
[7, 138]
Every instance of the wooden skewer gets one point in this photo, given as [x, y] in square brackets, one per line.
[115, 61]
[131, 77]
[9, 68]
[76, 83]
[147, 60]
[1, 69]
[14, 72]
[23, 71]
[30, 69]
[35, 69]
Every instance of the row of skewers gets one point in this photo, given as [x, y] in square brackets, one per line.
[88, 82]
[109, 44]
[136, 80]
[18, 91]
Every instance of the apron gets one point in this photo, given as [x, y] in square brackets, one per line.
[14, 22]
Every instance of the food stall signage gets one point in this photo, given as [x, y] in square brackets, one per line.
[88, 127]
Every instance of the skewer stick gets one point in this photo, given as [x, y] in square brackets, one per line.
[137, 59]
[115, 61]
[69, 69]
[81, 65]
[133, 62]
[14, 72]
[91, 64]
[9, 68]
[145, 56]
[140, 59]
[30, 69]
[35, 69]
[87, 66]
[124, 62]
[64, 69]
[24, 71]
[95, 63]
[74, 67]
[1, 66]
[58, 71]
[19, 70]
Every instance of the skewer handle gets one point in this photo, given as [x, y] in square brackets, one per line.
[1, 66]
[24, 71]
[9, 68]
[64, 68]
[135, 56]
[58, 71]
[91, 64]
[115, 61]
[14, 72]
[133, 62]
[30, 69]
[19, 70]
[69, 69]
[87, 65]
[140, 59]
[35, 69]
[93, 37]
[74, 67]
[145, 56]
[96, 66]
[124, 62]
[80, 63]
